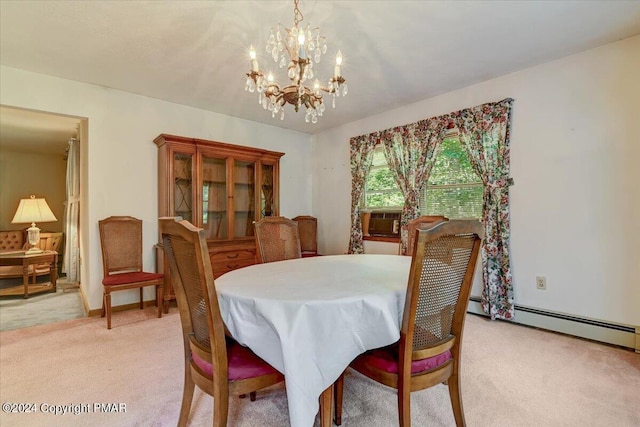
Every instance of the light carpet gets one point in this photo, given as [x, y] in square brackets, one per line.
[41, 308]
[511, 376]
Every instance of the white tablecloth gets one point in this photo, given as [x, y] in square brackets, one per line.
[310, 317]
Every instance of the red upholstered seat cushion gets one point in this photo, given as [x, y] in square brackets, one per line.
[243, 363]
[124, 278]
[386, 359]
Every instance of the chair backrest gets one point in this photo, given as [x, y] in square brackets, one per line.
[439, 285]
[50, 241]
[277, 239]
[121, 244]
[412, 227]
[192, 277]
[308, 231]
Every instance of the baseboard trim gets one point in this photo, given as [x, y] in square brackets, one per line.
[597, 330]
[84, 300]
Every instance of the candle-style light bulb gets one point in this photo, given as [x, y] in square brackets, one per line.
[270, 77]
[336, 71]
[254, 61]
[301, 52]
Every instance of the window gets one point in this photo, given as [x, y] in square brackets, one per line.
[381, 191]
[453, 190]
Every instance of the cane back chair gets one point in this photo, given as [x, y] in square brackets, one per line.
[121, 244]
[277, 239]
[217, 364]
[429, 349]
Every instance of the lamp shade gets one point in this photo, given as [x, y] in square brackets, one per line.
[33, 210]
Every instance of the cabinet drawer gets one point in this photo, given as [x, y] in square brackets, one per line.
[230, 256]
[222, 267]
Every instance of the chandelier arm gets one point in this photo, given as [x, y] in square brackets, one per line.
[339, 80]
[273, 89]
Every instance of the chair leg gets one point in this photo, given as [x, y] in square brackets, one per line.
[107, 308]
[159, 299]
[456, 400]
[326, 399]
[220, 405]
[404, 403]
[141, 298]
[337, 397]
[187, 397]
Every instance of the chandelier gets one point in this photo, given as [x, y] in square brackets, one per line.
[297, 48]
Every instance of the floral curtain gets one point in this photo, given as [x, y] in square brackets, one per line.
[484, 132]
[411, 151]
[361, 157]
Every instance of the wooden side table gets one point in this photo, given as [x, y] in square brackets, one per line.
[25, 260]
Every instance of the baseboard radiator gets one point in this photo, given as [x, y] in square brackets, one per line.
[597, 330]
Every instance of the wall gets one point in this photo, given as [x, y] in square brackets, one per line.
[575, 205]
[119, 158]
[23, 174]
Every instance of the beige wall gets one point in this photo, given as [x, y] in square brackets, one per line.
[575, 204]
[23, 174]
[119, 159]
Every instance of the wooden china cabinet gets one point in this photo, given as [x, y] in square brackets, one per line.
[222, 188]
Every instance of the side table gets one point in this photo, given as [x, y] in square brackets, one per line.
[25, 260]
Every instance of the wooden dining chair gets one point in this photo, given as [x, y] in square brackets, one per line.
[217, 364]
[429, 349]
[412, 227]
[121, 244]
[277, 239]
[308, 231]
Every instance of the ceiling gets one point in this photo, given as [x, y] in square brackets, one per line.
[396, 52]
[32, 131]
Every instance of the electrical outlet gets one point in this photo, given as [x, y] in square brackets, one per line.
[541, 283]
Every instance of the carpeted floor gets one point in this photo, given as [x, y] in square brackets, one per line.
[42, 308]
[511, 376]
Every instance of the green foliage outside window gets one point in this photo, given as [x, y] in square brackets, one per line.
[454, 189]
[381, 190]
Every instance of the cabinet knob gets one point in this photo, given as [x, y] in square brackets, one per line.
[230, 256]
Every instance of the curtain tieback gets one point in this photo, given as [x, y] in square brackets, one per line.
[500, 183]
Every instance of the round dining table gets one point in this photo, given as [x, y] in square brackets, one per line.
[310, 317]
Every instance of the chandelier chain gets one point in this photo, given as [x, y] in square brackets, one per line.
[297, 15]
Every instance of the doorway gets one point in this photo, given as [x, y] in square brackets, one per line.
[34, 151]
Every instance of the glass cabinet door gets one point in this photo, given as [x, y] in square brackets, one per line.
[183, 186]
[267, 207]
[214, 198]
[243, 198]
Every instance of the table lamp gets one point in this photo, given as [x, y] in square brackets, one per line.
[32, 210]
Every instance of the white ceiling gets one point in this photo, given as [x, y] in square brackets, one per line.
[24, 130]
[396, 52]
